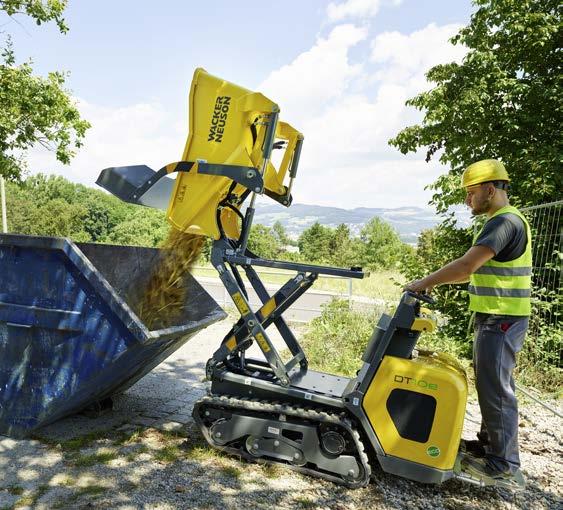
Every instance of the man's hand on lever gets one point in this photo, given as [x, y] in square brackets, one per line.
[419, 286]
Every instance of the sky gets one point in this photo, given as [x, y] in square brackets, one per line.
[340, 71]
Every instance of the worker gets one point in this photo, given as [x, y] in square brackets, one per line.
[498, 267]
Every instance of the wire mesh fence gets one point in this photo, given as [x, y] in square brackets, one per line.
[545, 336]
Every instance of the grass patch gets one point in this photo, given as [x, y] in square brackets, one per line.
[173, 434]
[230, 470]
[32, 498]
[202, 453]
[129, 437]
[91, 490]
[15, 490]
[336, 340]
[76, 443]
[196, 448]
[133, 455]
[93, 459]
[272, 471]
[68, 482]
[305, 502]
[170, 453]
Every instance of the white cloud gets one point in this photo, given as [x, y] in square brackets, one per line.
[137, 134]
[349, 112]
[405, 58]
[353, 9]
[377, 183]
[316, 76]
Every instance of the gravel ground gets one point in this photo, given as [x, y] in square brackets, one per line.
[147, 454]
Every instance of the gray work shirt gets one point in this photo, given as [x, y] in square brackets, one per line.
[505, 235]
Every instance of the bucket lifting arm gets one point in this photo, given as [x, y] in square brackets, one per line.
[139, 184]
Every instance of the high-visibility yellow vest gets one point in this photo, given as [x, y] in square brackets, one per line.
[503, 288]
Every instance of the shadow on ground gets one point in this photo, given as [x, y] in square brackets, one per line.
[147, 453]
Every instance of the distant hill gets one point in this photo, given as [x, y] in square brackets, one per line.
[407, 221]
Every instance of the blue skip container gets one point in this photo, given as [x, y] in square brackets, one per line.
[68, 337]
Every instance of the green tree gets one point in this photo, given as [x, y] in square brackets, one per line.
[381, 246]
[344, 251]
[101, 212]
[54, 217]
[279, 231]
[144, 227]
[41, 11]
[35, 110]
[263, 242]
[503, 101]
[314, 243]
[52, 205]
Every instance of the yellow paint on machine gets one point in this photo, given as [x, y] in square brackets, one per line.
[231, 343]
[241, 303]
[262, 342]
[430, 374]
[427, 324]
[268, 307]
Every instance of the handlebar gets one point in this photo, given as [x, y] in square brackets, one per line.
[421, 297]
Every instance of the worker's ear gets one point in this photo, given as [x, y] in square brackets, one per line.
[491, 190]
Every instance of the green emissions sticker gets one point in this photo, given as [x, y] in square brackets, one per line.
[433, 451]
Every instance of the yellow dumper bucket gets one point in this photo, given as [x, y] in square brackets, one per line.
[222, 162]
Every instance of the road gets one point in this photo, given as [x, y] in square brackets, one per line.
[306, 308]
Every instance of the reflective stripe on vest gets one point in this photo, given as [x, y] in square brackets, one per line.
[494, 291]
[505, 271]
[504, 288]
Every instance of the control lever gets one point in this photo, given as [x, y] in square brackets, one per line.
[422, 297]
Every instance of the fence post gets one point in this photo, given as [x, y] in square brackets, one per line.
[3, 201]
[350, 293]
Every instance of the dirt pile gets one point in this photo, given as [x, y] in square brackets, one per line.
[160, 302]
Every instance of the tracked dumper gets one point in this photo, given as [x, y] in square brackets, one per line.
[405, 408]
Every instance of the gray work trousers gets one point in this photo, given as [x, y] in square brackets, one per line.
[497, 340]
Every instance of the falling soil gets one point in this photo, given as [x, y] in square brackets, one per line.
[161, 301]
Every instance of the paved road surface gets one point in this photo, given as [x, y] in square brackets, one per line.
[307, 307]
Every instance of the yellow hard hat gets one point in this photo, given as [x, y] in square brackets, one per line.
[484, 171]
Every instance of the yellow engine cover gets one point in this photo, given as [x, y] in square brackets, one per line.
[416, 408]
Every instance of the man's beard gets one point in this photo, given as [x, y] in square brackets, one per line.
[481, 208]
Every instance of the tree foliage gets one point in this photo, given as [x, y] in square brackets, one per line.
[503, 101]
[280, 233]
[41, 11]
[53, 206]
[382, 247]
[35, 110]
[378, 247]
[264, 242]
[314, 243]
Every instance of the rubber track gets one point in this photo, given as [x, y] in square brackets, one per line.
[275, 408]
